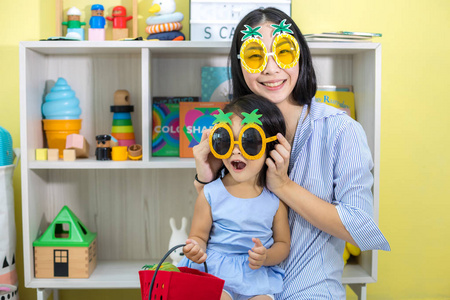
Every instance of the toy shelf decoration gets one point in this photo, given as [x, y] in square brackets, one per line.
[67, 249]
[60, 18]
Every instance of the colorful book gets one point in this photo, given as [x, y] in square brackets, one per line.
[175, 99]
[166, 129]
[341, 100]
[216, 84]
[194, 118]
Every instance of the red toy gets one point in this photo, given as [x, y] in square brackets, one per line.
[119, 17]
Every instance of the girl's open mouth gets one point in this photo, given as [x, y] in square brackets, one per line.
[238, 165]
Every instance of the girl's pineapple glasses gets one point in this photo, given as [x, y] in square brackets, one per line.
[252, 139]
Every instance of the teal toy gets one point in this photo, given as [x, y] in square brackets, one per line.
[6, 150]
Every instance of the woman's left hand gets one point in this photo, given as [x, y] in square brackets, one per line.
[278, 164]
[257, 255]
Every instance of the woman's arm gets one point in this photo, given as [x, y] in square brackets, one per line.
[316, 211]
[195, 249]
[206, 164]
[260, 256]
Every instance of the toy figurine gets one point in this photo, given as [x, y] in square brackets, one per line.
[119, 19]
[73, 23]
[103, 151]
[166, 24]
[122, 127]
[97, 23]
[179, 236]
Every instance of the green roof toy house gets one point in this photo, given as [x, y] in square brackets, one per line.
[67, 249]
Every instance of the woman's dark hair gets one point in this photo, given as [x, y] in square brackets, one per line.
[306, 86]
[272, 122]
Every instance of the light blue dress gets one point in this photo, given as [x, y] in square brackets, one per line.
[235, 222]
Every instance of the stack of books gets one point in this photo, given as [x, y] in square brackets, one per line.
[341, 36]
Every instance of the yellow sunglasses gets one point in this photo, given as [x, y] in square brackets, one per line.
[252, 139]
[254, 54]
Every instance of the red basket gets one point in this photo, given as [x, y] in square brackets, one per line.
[186, 284]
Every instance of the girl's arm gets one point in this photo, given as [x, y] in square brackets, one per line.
[206, 164]
[195, 249]
[260, 256]
[316, 211]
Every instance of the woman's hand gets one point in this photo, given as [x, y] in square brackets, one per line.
[257, 255]
[206, 164]
[278, 164]
[194, 252]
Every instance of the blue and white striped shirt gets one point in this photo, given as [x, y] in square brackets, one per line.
[331, 159]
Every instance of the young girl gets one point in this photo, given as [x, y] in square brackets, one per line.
[239, 227]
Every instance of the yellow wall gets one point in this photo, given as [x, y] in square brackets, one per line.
[415, 164]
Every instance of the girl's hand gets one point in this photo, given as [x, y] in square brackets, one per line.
[194, 252]
[257, 255]
[206, 164]
[278, 164]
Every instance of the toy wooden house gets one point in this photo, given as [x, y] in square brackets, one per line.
[67, 249]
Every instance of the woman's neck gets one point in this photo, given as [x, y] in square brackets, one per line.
[291, 113]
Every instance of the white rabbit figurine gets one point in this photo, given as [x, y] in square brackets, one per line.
[178, 237]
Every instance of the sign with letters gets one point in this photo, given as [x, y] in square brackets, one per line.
[213, 20]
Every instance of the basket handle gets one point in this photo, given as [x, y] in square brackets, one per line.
[160, 263]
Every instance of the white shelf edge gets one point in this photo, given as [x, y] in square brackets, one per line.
[92, 163]
[107, 275]
[354, 273]
[125, 275]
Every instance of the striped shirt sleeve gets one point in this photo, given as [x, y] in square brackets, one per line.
[353, 181]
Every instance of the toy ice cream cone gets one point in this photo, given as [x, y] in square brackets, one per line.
[62, 115]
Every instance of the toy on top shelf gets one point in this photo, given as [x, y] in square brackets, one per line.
[61, 113]
[67, 249]
[166, 24]
[97, 23]
[122, 127]
[74, 24]
[103, 151]
[119, 19]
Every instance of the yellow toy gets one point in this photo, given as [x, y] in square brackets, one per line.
[350, 250]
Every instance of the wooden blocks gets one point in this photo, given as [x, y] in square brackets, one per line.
[53, 154]
[69, 155]
[41, 154]
[79, 143]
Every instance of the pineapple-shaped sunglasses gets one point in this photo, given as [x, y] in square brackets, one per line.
[252, 139]
[254, 55]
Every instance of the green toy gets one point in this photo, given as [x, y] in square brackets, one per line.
[165, 266]
[77, 234]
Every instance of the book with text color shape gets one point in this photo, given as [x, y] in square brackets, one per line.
[166, 129]
[341, 100]
[216, 84]
[177, 99]
[194, 118]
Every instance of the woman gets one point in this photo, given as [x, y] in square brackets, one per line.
[321, 169]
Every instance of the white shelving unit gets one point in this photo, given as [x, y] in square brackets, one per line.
[129, 203]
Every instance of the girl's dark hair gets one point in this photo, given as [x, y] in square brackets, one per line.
[272, 122]
[306, 86]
